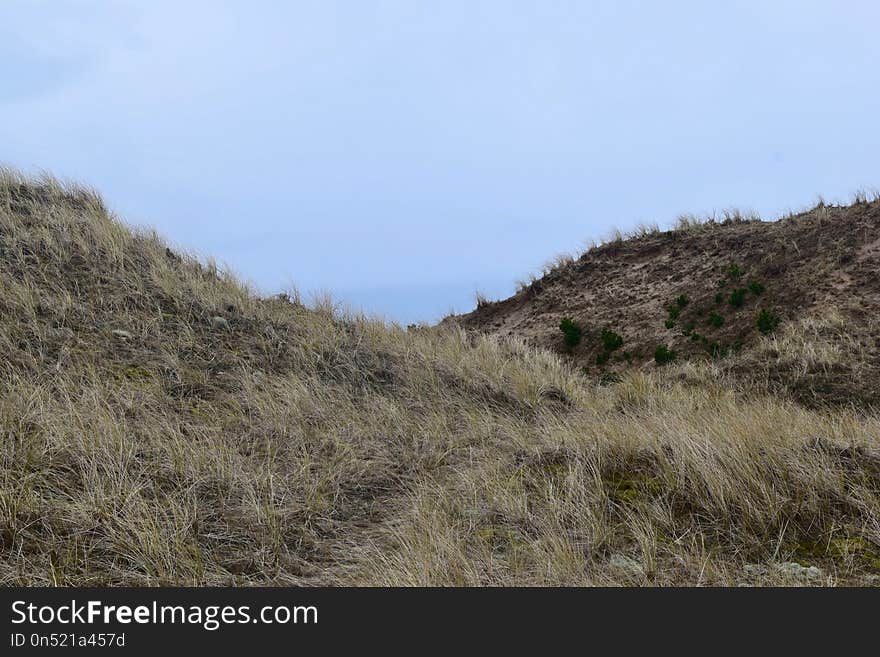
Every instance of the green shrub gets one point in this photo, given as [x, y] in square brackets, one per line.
[715, 320]
[734, 272]
[756, 288]
[571, 331]
[767, 321]
[682, 300]
[611, 340]
[670, 323]
[663, 355]
[674, 312]
[696, 337]
[719, 297]
[602, 357]
[738, 297]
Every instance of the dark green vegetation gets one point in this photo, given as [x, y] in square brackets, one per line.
[611, 341]
[767, 321]
[715, 320]
[716, 347]
[663, 355]
[738, 297]
[571, 331]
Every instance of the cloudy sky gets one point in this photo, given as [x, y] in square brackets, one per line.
[403, 154]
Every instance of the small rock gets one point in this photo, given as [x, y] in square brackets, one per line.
[755, 570]
[630, 566]
[121, 335]
[794, 569]
[219, 323]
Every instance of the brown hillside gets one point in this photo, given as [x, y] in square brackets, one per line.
[823, 264]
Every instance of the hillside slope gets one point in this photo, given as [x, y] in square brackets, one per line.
[162, 424]
[700, 290]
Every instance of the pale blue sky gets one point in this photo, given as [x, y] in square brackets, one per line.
[403, 154]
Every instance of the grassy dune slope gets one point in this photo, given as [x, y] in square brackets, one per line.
[700, 290]
[161, 424]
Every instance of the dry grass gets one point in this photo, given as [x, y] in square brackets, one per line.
[692, 483]
[228, 439]
[817, 360]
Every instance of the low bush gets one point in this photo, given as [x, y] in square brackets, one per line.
[611, 340]
[572, 332]
[715, 320]
[767, 321]
[738, 297]
[663, 355]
